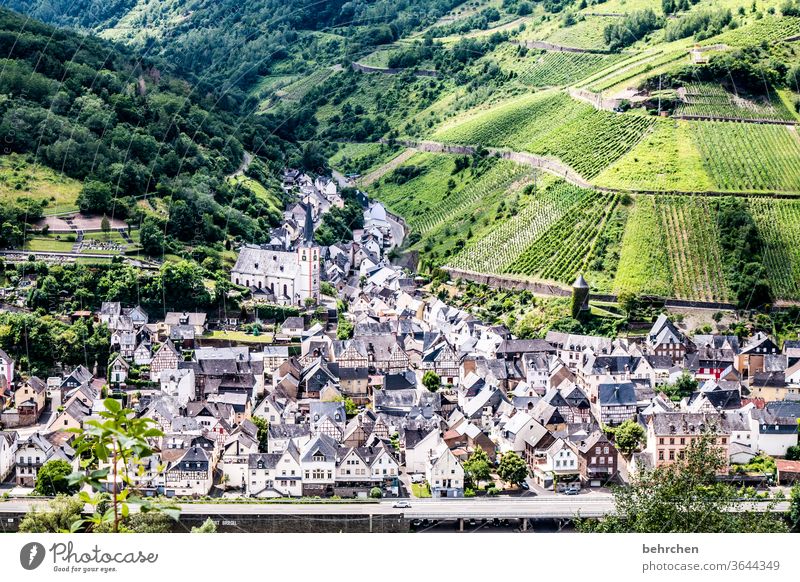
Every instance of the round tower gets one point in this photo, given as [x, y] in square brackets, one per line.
[580, 296]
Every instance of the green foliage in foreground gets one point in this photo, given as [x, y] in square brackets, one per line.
[684, 497]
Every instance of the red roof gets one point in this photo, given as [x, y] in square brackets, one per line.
[785, 466]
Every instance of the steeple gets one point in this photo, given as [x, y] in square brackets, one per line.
[308, 230]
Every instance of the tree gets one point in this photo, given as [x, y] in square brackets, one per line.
[350, 408]
[628, 302]
[375, 493]
[683, 387]
[793, 453]
[105, 225]
[59, 516]
[477, 468]
[208, 527]
[114, 445]
[151, 237]
[628, 437]
[263, 433]
[512, 468]
[51, 479]
[95, 198]
[431, 380]
[685, 497]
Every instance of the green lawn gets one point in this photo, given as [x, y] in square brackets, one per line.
[420, 490]
[48, 243]
[19, 178]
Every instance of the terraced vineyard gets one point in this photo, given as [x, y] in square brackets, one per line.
[778, 223]
[566, 247]
[506, 242]
[750, 157]
[427, 200]
[768, 29]
[297, 90]
[692, 242]
[550, 69]
[586, 34]
[708, 100]
[643, 263]
[552, 124]
[499, 178]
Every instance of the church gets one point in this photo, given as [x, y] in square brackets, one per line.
[285, 277]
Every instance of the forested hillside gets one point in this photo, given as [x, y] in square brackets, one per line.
[125, 131]
[618, 119]
[227, 46]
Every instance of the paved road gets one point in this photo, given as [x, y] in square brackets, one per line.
[554, 506]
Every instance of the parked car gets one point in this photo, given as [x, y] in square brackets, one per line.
[525, 485]
[572, 491]
[401, 504]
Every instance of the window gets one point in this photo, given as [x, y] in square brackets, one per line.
[672, 455]
[683, 441]
[605, 450]
[660, 455]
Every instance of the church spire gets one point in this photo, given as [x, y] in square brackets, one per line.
[308, 230]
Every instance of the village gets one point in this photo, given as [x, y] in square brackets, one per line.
[370, 386]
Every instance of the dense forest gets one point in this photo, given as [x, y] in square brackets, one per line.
[224, 46]
[95, 112]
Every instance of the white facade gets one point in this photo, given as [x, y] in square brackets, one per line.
[290, 276]
[445, 474]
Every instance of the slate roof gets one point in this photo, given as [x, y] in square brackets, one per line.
[617, 394]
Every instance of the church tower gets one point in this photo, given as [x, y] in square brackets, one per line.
[308, 275]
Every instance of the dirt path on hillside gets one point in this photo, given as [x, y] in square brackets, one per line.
[377, 174]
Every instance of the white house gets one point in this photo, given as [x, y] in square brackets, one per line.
[180, 384]
[8, 444]
[559, 460]
[34, 452]
[6, 370]
[444, 473]
[318, 462]
[418, 447]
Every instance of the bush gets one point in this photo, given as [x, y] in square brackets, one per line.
[492, 491]
[375, 493]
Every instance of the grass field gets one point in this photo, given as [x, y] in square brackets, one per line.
[552, 124]
[667, 159]
[48, 243]
[273, 201]
[643, 264]
[362, 158]
[19, 178]
[438, 192]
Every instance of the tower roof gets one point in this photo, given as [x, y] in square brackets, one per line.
[580, 282]
[308, 230]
